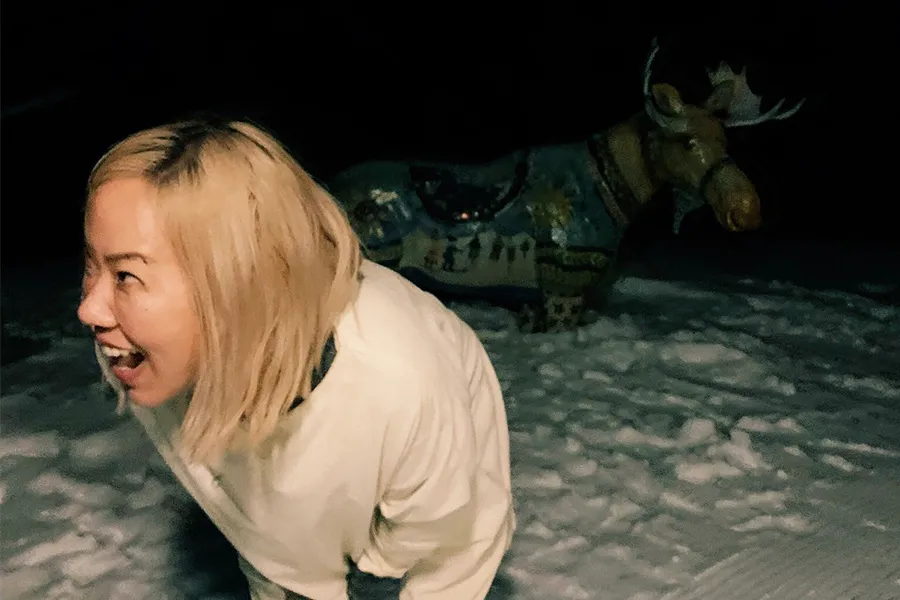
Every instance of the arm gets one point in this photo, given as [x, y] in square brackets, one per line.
[427, 511]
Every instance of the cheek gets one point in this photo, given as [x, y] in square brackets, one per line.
[175, 348]
[699, 166]
[159, 324]
[177, 326]
[190, 340]
[181, 329]
[685, 166]
[188, 334]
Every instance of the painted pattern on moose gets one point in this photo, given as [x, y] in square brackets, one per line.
[542, 225]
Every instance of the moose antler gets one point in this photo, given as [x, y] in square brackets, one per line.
[648, 64]
[670, 122]
[744, 108]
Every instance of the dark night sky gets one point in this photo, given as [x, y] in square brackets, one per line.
[341, 83]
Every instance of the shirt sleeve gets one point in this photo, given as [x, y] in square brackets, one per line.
[427, 508]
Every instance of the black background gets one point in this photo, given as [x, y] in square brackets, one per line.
[342, 82]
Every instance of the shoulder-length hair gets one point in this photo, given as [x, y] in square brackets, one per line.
[271, 261]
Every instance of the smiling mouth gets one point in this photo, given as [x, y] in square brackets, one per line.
[118, 357]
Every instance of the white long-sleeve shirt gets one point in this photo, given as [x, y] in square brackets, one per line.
[399, 460]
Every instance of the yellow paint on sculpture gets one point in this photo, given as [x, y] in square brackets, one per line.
[551, 208]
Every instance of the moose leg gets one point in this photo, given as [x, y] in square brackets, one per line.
[565, 277]
[554, 312]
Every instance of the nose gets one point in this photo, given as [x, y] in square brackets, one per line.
[743, 219]
[95, 309]
[742, 212]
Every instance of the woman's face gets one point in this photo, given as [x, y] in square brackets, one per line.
[136, 298]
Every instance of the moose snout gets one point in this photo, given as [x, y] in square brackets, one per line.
[743, 219]
[739, 212]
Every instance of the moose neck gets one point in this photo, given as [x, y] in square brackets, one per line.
[629, 149]
[624, 176]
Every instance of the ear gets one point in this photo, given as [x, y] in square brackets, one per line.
[667, 99]
[721, 96]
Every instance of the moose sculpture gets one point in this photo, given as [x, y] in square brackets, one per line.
[542, 225]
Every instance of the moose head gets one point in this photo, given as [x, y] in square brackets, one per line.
[688, 147]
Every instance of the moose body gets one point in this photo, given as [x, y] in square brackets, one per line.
[498, 231]
[541, 226]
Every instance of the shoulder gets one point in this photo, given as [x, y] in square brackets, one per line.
[393, 320]
[398, 348]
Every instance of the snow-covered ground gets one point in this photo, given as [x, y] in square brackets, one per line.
[728, 428]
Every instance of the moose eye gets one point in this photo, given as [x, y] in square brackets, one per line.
[689, 143]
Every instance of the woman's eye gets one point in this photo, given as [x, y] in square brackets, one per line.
[124, 277]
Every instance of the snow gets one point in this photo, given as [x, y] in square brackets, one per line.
[724, 410]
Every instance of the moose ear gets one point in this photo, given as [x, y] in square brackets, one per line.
[667, 99]
[721, 97]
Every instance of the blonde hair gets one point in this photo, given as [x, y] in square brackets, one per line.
[271, 260]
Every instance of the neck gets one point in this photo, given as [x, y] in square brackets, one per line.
[629, 147]
[623, 174]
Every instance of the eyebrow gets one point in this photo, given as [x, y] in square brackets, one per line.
[118, 256]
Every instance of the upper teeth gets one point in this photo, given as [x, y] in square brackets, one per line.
[110, 351]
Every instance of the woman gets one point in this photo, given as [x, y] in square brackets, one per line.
[329, 416]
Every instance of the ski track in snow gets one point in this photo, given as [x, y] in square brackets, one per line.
[686, 423]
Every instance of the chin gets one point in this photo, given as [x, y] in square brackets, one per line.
[148, 398]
